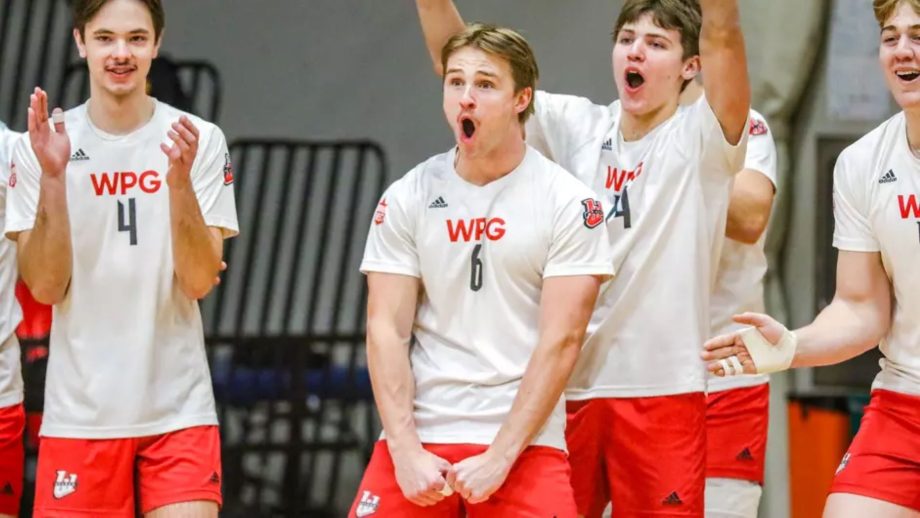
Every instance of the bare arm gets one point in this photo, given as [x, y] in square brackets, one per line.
[749, 207]
[44, 253]
[197, 248]
[440, 20]
[391, 305]
[724, 63]
[856, 320]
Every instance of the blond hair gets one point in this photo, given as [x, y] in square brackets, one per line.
[884, 8]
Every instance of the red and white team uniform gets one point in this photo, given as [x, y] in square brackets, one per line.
[481, 254]
[877, 209]
[737, 406]
[636, 400]
[128, 386]
[12, 415]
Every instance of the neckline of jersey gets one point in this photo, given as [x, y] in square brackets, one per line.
[127, 136]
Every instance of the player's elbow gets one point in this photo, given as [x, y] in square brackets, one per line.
[47, 293]
[197, 288]
[749, 230]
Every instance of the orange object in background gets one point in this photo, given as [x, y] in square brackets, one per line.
[819, 434]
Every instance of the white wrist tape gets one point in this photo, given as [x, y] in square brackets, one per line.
[768, 357]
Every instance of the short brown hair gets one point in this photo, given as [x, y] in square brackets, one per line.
[85, 10]
[504, 43]
[683, 16]
[885, 8]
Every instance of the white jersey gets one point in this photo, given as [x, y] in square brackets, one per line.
[877, 209]
[127, 347]
[667, 197]
[10, 312]
[739, 280]
[481, 253]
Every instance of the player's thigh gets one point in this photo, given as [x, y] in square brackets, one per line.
[12, 458]
[179, 467]
[657, 465]
[732, 498]
[736, 433]
[85, 478]
[195, 509]
[538, 486]
[846, 505]
[585, 437]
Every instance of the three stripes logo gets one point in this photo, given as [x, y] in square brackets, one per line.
[888, 177]
[79, 155]
[672, 499]
[438, 203]
[745, 455]
[607, 145]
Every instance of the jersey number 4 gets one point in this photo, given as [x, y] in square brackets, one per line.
[621, 208]
[128, 224]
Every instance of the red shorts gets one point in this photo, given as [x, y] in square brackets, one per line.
[98, 477]
[12, 458]
[537, 487]
[646, 455]
[736, 433]
[883, 461]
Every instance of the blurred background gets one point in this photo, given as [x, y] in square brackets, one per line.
[325, 102]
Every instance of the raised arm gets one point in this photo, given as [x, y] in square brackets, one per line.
[440, 20]
[724, 63]
[391, 305]
[45, 253]
[749, 207]
[854, 322]
[565, 308]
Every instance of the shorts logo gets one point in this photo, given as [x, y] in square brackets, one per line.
[745, 455]
[65, 484]
[228, 170]
[367, 505]
[673, 499]
[843, 463]
[7, 489]
[594, 213]
[758, 127]
[215, 478]
[381, 212]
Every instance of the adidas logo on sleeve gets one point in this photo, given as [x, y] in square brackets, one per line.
[888, 177]
[438, 203]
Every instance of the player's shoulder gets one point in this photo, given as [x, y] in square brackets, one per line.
[409, 187]
[874, 145]
[560, 182]
[573, 105]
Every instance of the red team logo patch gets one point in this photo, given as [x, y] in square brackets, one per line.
[228, 170]
[594, 213]
[12, 174]
[758, 127]
[381, 212]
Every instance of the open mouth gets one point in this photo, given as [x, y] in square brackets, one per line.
[634, 79]
[468, 126]
[908, 75]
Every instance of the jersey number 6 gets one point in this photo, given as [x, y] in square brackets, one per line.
[476, 269]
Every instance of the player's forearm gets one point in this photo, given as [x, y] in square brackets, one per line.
[196, 251]
[46, 257]
[440, 20]
[393, 384]
[843, 330]
[724, 62]
[544, 380]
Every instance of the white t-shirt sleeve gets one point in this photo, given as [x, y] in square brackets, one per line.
[560, 124]
[761, 150]
[852, 230]
[391, 245]
[718, 156]
[24, 185]
[580, 245]
[212, 179]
